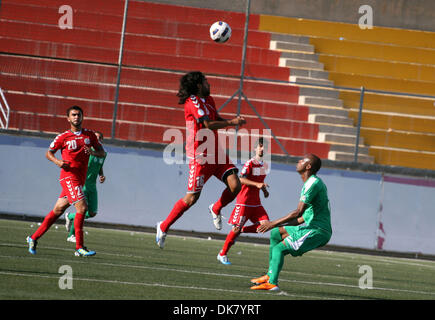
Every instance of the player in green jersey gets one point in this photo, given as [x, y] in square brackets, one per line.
[95, 169]
[288, 235]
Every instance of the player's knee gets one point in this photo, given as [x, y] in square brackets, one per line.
[60, 209]
[81, 207]
[191, 198]
[235, 187]
[236, 229]
[92, 214]
[283, 232]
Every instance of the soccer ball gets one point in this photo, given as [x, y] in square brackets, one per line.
[220, 31]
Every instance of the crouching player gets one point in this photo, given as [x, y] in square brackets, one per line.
[288, 235]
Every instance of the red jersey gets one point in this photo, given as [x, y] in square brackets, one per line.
[72, 148]
[195, 111]
[253, 170]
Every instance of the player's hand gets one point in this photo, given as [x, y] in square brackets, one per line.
[264, 227]
[265, 191]
[87, 149]
[238, 121]
[63, 164]
[102, 179]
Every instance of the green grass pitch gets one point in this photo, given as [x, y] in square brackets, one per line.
[129, 265]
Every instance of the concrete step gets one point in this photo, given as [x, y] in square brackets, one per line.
[285, 37]
[331, 111]
[338, 129]
[338, 138]
[291, 46]
[296, 63]
[300, 55]
[346, 148]
[349, 157]
[320, 101]
[309, 80]
[310, 73]
[318, 92]
[327, 119]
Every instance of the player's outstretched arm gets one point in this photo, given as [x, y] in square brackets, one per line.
[294, 218]
[260, 185]
[222, 123]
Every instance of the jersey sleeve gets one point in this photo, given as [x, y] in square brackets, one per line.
[196, 109]
[246, 170]
[310, 191]
[57, 143]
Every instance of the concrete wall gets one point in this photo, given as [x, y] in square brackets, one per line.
[141, 190]
[408, 14]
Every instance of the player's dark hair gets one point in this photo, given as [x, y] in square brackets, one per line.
[316, 163]
[189, 85]
[73, 108]
[261, 141]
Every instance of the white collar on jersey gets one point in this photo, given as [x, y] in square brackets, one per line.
[77, 133]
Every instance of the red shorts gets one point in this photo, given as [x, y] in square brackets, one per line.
[241, 214]
[200, 173]
[72, 189]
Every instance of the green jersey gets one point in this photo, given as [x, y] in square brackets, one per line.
[94, 166]
[315, 195]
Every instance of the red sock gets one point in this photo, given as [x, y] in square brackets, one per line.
[78, 226]
[177, 211]
[226, 197]
[229, 241]
[250, 229]
[45, 225]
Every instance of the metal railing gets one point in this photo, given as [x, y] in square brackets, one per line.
[240, 94]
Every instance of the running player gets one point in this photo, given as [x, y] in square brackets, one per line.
[287, 235]
[95, 170]
[76, 145]
[206, 159]
[248, 203]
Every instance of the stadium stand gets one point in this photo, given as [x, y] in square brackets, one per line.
[44, 68]
[398, 128]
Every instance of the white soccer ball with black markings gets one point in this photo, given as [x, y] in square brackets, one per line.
[220, 31]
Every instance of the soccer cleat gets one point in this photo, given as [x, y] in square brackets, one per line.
[160, 236]
[83, 252]
[266, 286]
[71, 238]
[223, 259]
[217, 218]
[32, 245]
[68, 222]
[260, 280]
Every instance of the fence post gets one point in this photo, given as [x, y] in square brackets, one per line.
[361, 102]
[118, 78]
[242, 69]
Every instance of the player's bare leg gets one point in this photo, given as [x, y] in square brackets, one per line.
[59, 208]
[228, 195]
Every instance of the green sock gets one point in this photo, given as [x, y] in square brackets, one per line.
[276, 262]
[275, 238]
